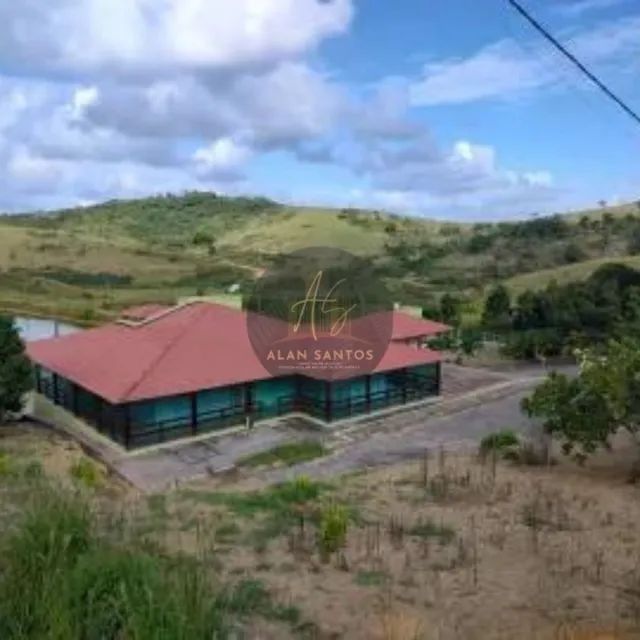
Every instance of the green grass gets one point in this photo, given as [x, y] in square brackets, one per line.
[272, 511]
[86, 473]
[275, 499]
[286, 454]
[566, 274]
[6, 465]
[84, 265]
[64, 576]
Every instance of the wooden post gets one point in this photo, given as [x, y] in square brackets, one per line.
[438, 377]
[193, 399]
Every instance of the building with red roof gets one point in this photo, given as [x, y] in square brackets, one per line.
[161, 373]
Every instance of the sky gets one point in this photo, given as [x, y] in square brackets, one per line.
[441, 108]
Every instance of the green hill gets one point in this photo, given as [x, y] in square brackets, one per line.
[87, 263]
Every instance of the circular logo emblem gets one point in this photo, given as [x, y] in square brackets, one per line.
[320, 312]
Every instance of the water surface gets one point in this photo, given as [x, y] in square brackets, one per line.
[41, 328]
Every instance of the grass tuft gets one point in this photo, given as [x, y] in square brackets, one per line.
[286, 454]
[86, 473]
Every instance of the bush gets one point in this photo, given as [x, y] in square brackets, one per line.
[6, 466]
[334, 523]
[502, 442]
[574, 253]
[86, 473]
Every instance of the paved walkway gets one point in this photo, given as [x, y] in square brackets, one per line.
[407, 437]
[474, 402]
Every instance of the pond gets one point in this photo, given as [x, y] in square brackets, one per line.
[40, 328]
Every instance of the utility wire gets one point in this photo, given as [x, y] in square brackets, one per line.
[558, 45]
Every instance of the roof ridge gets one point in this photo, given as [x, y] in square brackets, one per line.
[163, 353]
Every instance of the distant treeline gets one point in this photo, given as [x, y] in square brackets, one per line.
[551, 321]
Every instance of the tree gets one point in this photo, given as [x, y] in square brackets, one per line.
[497, 308]
[586, 411]
[203, 238]
[573, 252]
[633, 245]
[15, 369]
[449, 308]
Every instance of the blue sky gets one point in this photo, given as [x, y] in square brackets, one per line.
[453, 109]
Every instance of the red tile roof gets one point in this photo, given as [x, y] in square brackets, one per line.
[190, 348]
[406, 326]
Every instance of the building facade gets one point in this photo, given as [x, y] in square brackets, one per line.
[189, 370]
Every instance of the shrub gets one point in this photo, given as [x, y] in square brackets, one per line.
[334, 523]
[6, 466]
[502, 442]
[86, 473]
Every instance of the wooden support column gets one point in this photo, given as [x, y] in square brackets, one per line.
[438, 377]
[74, 398]
[55, 388]
[297, 402]
[193, 400]
[248, 398]
[327, 401]
[127, 425]
[367, 387]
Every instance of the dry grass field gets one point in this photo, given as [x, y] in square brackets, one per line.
[451, 547]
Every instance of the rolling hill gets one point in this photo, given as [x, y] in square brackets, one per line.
[87, 263]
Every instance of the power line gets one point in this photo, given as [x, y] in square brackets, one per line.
[558, 45]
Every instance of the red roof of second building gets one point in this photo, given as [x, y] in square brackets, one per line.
[190, 348]
[406, 326]
[143, 312]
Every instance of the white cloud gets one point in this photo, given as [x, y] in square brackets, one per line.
[33, 173]
[579, 7]
[497, 70]
[505, 69]
[156, 36]
[420, 176]
[222, 159]
[122, 98]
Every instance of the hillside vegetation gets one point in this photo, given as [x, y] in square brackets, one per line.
[87, 263]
